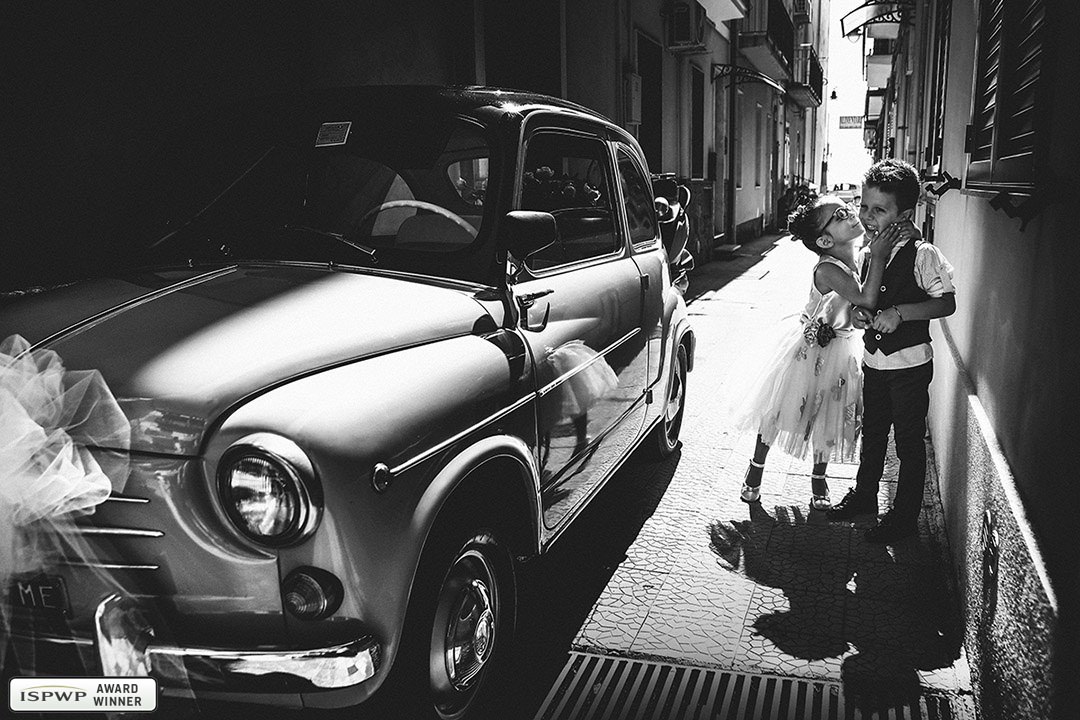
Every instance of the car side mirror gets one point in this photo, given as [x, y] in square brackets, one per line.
[527, 232]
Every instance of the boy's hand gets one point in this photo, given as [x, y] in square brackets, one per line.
[862, 318]
[887, 320]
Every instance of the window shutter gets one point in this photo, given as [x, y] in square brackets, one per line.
[986, 88]
[1016, 136]
[1010, 59]
[936, 140]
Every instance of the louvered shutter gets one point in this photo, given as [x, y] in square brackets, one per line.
[1016, 134]
[1010, 59]
[981, 142]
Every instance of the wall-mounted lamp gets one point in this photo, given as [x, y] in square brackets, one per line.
[832, 95]
[950, 183]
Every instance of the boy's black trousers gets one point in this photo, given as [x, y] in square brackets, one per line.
[898, 399]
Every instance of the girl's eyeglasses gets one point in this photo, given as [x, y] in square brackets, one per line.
[841, 213]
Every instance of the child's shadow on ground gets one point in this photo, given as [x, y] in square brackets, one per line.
[844, 593]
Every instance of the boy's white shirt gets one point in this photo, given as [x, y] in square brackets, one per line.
[934, 275]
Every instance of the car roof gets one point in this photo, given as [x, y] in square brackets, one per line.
[469, 100]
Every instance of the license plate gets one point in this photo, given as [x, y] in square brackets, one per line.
[44, 593]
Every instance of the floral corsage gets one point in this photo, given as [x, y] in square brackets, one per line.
[819, 332]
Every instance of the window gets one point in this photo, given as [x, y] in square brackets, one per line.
[697, 122]
[757, 145]
[1001, 138]
[734, 144]
[938, 75]
[566, 175]
[470, 179]
[637, 199]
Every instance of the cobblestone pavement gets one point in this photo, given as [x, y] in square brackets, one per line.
[775, 588]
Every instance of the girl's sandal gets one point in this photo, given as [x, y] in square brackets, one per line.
[752, 493]
[820, 500]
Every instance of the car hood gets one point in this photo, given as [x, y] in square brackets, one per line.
[178, 348]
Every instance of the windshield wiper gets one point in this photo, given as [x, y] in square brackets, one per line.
[369, 251]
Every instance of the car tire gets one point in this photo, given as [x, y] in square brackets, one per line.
[460, 624]
[665, 437]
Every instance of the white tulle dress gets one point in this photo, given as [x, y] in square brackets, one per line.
[50, 417]
[807, 398]
[593, 380]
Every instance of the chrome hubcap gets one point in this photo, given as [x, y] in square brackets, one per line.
[467, 617]
[675, 402]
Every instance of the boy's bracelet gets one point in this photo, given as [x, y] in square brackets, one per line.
[898, 313]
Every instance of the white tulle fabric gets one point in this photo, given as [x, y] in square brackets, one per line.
[807, 399]
[593, 380]
[49, 418]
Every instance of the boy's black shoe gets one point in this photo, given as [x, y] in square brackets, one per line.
[854, 503]
[890, 529]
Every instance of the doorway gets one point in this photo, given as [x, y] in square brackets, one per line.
[650, 65]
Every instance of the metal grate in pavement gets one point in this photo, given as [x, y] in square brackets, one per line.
[595, 687]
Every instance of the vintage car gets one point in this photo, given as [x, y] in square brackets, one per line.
[384, 346]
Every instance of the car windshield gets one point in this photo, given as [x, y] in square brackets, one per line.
[397, 202]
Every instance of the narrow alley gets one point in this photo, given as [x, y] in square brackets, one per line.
[728, 610]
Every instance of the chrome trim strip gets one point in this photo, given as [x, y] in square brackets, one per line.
[81, 642]
[133, 302]
[118, 532]
[100, 565]
[439, 447]
[117, 498]
[611, 348]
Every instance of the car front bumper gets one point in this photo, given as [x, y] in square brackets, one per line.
[126, 646]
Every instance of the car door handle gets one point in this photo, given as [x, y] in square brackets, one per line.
[527, 300]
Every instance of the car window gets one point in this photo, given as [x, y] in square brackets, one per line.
[637, 198]
[470, 178]
[566, 175]
[417, 194]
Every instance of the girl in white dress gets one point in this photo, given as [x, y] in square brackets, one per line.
[808, 398]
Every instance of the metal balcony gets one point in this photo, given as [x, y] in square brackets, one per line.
[767, 39]
[809, 80]
[801, 12]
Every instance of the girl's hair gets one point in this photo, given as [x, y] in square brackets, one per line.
[805, 225]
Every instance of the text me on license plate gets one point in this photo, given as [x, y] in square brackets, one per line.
[41, 592]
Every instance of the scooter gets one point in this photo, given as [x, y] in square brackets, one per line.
[671, 200]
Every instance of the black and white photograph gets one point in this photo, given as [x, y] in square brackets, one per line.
[539, 360]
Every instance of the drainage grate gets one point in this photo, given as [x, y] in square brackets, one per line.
[613, 688]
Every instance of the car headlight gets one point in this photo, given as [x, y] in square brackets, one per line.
[269, 491]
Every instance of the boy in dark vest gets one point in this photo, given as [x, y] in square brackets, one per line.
[897, 358]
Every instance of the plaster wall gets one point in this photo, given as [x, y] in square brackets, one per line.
[597, 44]
[1004, 404]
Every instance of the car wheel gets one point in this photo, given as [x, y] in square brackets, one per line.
[666, 435]
[461, 623]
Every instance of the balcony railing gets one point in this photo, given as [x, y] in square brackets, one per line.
[808, 78]
[767, 39]
[801, 12]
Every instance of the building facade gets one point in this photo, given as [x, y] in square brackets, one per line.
[95, 89]
[977, 95]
